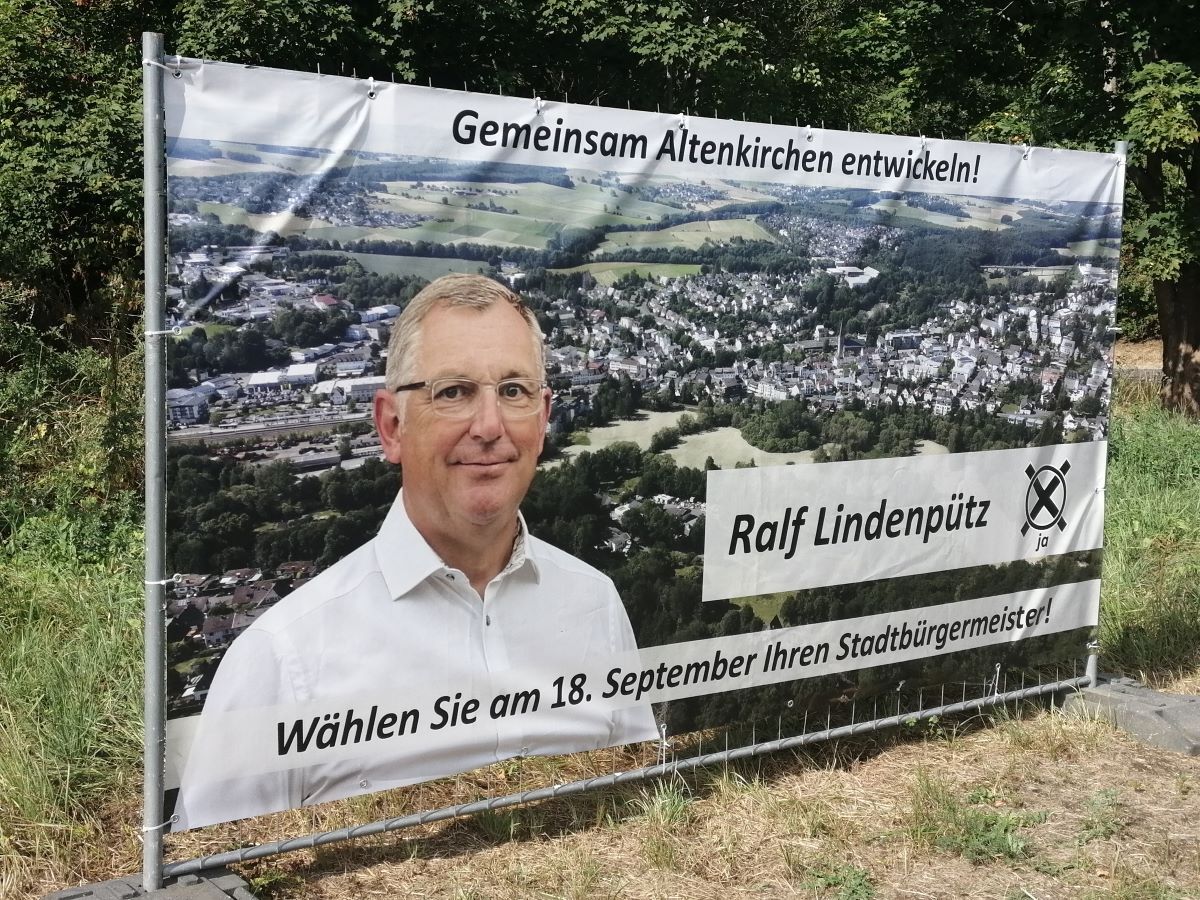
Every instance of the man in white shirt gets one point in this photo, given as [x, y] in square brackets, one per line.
[453, 594]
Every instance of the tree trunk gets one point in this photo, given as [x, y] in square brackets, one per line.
[1179, 320]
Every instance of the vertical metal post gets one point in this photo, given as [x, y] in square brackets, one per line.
[1092, 670]
[154, 699]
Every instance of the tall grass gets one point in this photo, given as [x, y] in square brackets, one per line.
[70, 698]
[1150, 605]
[70, 608]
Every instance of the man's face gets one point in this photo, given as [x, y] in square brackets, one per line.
[473, 471]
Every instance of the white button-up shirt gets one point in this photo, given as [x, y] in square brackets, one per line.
[392, 614]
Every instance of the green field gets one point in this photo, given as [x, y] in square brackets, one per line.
[427, 267]
[740, 193]
[990, 210]
[431, 267]
[269, 161]
[204, 168]
[584, 204]
[210, 329]
[536, 211]
[455, 223]
[281, 223]
[1107, 249]
[534, 214]
[471, 225]
[902, 210]
[765, 606]
[608, 272]
[690, 235]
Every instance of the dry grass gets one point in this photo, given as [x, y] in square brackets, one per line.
[1139, 354]
[1178, 682]
[1039, 805]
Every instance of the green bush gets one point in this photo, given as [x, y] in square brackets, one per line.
[71, 439]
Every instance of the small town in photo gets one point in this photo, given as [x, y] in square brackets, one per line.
[690, 326]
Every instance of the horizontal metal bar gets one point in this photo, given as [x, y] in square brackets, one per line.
[174, 870]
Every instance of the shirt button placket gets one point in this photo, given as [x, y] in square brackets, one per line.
[490, 636]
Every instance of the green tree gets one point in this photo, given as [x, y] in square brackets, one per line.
[298, 34]
[1096, 72]
[70, 163]
[1077, 73]
[1162, 116]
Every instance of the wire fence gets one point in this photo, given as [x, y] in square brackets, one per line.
[885, 712]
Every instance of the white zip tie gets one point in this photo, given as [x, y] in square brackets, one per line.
[176, 70]
[146, 829]
[994, 687]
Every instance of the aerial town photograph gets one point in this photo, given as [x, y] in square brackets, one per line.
[690, 326]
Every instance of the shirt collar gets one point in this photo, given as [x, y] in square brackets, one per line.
[405, 559]
[524, 551]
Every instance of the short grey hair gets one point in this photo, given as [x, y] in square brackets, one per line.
[459, 290]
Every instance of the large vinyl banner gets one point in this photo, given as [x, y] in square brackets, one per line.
[792, 417]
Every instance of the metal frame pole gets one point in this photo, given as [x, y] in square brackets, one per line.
[154, 697]
[1092, 672]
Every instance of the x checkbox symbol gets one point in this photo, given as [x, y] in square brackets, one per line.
[1044, 493]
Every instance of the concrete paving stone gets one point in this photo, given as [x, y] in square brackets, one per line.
[117, 889]
[205, 890]
[1169, 721]
[228, 882]
[218, 885]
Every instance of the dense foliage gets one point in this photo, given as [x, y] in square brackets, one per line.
[1078, 73]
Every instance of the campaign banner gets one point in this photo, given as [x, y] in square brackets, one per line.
[345, 740]
[507, 426]
[300, 109]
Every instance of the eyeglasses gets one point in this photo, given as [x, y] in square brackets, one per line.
[457, 398]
